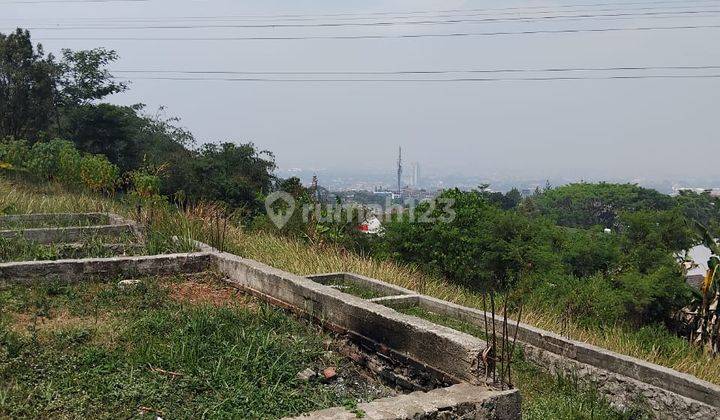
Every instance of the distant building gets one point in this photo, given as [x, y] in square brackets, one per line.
[416, 175]
[371, 226]
[713, 192]
[697, 267]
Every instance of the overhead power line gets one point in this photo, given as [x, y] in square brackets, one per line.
[231, 18]
[387, 36]
[454, 80]
[369, 24]
[425, 72]
[386, 13]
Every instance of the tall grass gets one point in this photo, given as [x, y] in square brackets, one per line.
[653, 344]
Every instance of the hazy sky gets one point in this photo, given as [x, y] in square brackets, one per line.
[622, 127]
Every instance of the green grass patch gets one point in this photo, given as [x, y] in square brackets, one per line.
[20, 249]
[352, 288]
[545, 396]
[95, 350]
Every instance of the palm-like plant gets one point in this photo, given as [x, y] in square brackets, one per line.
[707, 319]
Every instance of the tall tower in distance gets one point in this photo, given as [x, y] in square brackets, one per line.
[399, 171]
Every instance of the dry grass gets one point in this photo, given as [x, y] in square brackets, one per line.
[210, 293]
[44, 328]
[300, 258]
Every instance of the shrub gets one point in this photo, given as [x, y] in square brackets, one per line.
[585, 253]
[98, 174]
[587, 300]
[14, 152]
[483, 246]
[627, 276]
[44, 159]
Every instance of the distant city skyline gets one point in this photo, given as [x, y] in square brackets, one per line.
[347, 179]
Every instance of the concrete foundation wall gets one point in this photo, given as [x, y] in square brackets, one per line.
[621, 391]
[624, 380]
[378, 286]
[443, 350]
[67, 219]
[71, 271]
[48, 236]
[103, 224]
[461, 401]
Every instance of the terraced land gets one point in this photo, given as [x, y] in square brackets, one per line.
[174, 347]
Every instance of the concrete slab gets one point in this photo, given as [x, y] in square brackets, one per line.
[461, 401]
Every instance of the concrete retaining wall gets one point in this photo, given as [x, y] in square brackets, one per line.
[461, 401]
[71, 271]
[447, 352]
[625, 380]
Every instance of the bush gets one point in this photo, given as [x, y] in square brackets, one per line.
[629, 297]
[587, 300]
[627, 276]
[58, 160]
[52, 160]
[98, 174]
[482, 247]
[14, 152]
[585, 253]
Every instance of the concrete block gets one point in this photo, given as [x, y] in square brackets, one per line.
[461, 401]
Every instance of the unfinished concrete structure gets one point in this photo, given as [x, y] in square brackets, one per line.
[96, 224]
[397, 347]
[625, 381]
[435, 358]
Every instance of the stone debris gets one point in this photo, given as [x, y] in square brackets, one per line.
[306, 374]
[128, 284]
[329, 373]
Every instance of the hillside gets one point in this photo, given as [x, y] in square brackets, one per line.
[301, 258]
[562, 397]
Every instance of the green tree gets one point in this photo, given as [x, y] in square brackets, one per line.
[237, 175]
[27, 87]
[586, 205]
[483, 246]
[111, 130]
[83, 76]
